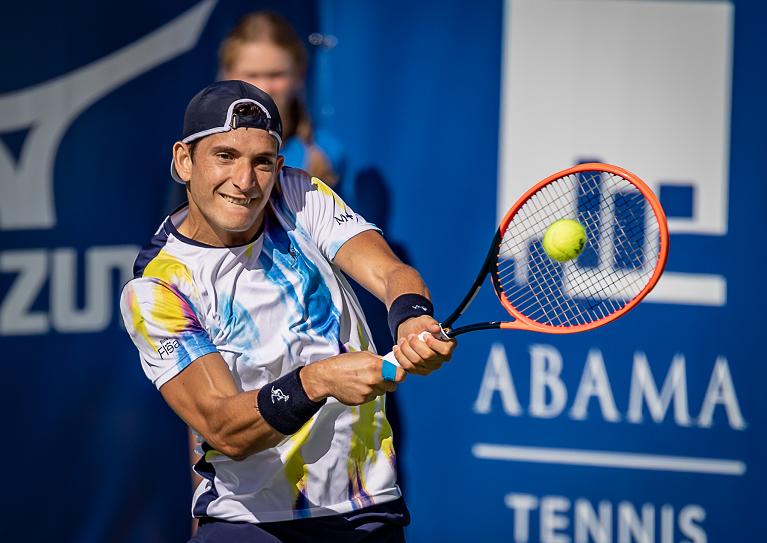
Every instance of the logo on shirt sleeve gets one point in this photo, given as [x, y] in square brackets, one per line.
[168, 347]
[345, 216]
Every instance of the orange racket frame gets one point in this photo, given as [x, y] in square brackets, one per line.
[491, 263]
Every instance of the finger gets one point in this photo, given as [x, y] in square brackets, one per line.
[430, 329]
[379, 389]
[427, 363]
[436, 354]
[421, 347]
[435, 328]
[383, 387]
[444, 348]
[408, 358]
[406, 347]
[430, 359]
[403, 360]
[388, 386]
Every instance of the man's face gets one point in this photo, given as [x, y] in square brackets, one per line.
[230, 179]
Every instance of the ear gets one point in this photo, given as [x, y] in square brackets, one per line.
[182, 159]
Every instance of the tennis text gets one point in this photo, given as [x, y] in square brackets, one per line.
[549, 395]
[558, 519]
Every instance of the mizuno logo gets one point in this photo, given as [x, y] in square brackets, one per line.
[277, 394]
[48, 110]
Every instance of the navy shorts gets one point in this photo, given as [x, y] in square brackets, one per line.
[382, 523]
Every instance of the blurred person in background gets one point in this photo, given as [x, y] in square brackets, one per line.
[264, 50]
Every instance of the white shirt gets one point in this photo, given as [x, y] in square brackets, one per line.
[268, 307]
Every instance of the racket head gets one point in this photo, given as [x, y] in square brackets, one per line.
[623, 258]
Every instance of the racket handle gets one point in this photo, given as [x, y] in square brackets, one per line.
[389, 368]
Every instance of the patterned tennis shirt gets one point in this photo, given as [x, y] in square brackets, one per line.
[268, 307]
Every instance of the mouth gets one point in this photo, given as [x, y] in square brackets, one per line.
[236, 201]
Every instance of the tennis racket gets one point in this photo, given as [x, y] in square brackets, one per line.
[623, 257]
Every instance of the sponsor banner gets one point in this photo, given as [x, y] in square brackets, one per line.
[91, 101]
[650, 429]
[644, 430]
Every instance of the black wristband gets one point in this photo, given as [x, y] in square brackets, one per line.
[284, 404]
[406, 306]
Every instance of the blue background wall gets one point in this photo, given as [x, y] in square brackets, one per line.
[413, 89]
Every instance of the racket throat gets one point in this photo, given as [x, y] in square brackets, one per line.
[472, 328]
[490, 261]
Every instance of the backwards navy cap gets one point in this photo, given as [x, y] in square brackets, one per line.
[224, 106]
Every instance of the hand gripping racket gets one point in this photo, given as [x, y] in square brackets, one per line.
[623, 257]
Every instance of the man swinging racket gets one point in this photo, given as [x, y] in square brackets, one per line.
[245, 323]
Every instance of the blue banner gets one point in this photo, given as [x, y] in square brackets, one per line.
[91, 100]
[650, 429]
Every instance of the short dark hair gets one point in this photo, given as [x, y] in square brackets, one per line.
[192, 146]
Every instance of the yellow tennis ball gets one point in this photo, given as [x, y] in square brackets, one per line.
[564, 240]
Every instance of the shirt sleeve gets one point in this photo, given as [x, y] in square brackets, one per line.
[329, 221]
[163, 325]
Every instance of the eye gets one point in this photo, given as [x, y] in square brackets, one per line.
[224, 156]
[264, 163]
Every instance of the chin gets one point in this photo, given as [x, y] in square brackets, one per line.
[238, 224]
[236, 227]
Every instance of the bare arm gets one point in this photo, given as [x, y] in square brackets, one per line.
[369, 260]
[205, 396]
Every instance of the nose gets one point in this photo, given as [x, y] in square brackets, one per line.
[244, 176]
[263, 82]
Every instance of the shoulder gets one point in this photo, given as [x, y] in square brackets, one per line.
[294, 180]
[151, 250]
[163, 257]
[297, 186]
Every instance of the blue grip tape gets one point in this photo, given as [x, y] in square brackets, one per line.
[389, 371]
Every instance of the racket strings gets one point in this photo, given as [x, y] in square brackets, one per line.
[618, 259]
[623, 235]
[551, 287]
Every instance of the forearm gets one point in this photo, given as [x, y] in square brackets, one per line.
[236, 428]
[206, 397]
[369, 260]
[402, 279]
[351, 378]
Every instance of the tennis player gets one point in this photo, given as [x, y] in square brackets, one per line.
[246, 324]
